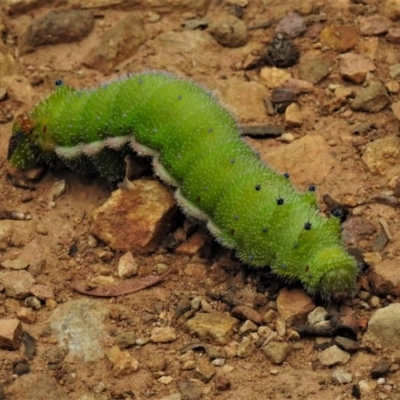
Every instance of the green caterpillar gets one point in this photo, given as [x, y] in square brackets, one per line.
[196, 147]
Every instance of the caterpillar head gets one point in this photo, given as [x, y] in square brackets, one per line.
[22, 151]
[340, 269]
[25, 142]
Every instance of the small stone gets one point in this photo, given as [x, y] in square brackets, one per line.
[42, 292]
[206, 306]
[165, 380]
[193, 245]
[216, 352]
[102, 280]
[116, 45]
[185, 305]
[204, 370]
[16, 283]
[247, 327]
[51, 304]
[190, 390]
[393, 35]
[163, 334]
[218, 362]
[276, 352]
[189, 361]
[381, 368]
[374, 302]
[380, 157]
[229, 31]
[123, 362]
[10, 334]
[294, 305]
[346, 344]
[292, 25]
[246, 347]
[319, 314]
[33, 302]
[373, 98]
[269, 316]
[26, 315]
[394, 71]
[280, 326]
[355, 67]
[333, 356]
[157, 364]
[60, 26]
[58, 189]
[222, 383]
[247, 313]
[151, 207]
[396, 109]
[374, 25]
[392, 9]
[314, 69]
[16, 264]
[127, 266]
[273, 77]
[286, 137]
[21, 367]
[293, 116]
[341, 376]
[339, 37]
[125, 340]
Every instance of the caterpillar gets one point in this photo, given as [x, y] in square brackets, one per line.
[197, 148]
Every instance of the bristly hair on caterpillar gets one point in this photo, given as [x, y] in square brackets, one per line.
[196, 147]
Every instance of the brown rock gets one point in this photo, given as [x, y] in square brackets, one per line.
[127, 266]
[273, 77]
[229, 31]
[396, 109]
[276, 351]
[381, 156]
[392, 9]
[245, 99]
[135, 219]
[10, 334]
[204, 369]
[36, 386]
[372, 98]
[163, 334]
[294, 305]
[42, 292]
[339, 37]
[117, 44]
[217, 326]
[313, 68]
[17, 283]
[355, 67]
[247, 313]
[293, 116]
[374, 25]
[61, 26]
[26, 315]
[333, 356]
[222, 383]
[123, 362]
[194, 244]
[384, 277]
[393, 35]
[308, 159]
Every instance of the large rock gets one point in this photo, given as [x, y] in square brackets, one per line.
[384, 328]
[135, 219]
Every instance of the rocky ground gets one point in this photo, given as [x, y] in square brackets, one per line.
[321, 101]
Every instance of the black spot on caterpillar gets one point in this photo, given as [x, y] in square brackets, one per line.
[197, 148]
